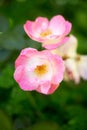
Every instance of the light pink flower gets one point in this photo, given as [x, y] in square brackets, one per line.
[76, 68]
[75, 64]
[38, 70]
[50, 33]
[67, 50]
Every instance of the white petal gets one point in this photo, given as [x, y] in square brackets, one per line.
[71, 72]
[82, 67]
[68, 49]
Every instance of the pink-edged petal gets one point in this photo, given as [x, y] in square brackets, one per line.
[47, 88]
[56, 64]
[40, 24]
[57, 25]
[28, 51]
[53, 44]
[28, 28]
[44, 87]
[18, 73]
[68, 27]
[24, 55]
[23, 79]
[33, 29]
[53, 88]
[58, 67]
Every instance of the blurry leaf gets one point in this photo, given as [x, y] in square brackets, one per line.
[5, 123]
[81, 18]
[4, 95]
[65, 2]
[4, 24]
[6, 77]
[63, 94]
[18, 95]
[21, 123]
[19, 29]
[33, 44]
[78, 117]
[82, 45]
[48, 125]
[12, 40]
[21, 0]
[4, 54]
[17, 100]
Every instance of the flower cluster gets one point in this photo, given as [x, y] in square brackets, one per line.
[75, 64]
[44, 70]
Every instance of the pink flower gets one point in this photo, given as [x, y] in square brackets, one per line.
[38, 70]
[50, 33]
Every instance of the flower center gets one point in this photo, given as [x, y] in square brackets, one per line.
[46, 33]
[40, 70]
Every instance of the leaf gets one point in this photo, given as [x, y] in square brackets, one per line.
[6, 77]
[5, 123]
[48, 125]
[4, 24]
[12, 40]
[4, 54]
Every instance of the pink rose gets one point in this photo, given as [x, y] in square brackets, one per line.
[38, 70]
[50, 33]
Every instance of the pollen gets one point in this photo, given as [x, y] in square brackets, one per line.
[46, 33]
[40, 70]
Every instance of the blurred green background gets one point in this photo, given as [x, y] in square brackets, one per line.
[66, 109]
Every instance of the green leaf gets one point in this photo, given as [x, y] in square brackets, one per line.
[48, 125]
[4, 54]
[12, 40]
[6, 77]
[5, 123]
[4, 24]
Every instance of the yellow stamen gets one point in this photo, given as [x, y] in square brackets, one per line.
[46, 33]
[40, 70]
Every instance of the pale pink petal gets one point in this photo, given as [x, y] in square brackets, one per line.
[23, 79]
[40, 24]
[71, 71]
[33, 29]
[24, 55]
[58, 70]
[28, 51]
[68, 27]
[57, 25]
[53, 88]
[47, 88]
[28, 28]
[82, 67]
[53, 44]
[68, 49]
[57, 66]
[18, 73]
[44, 87]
